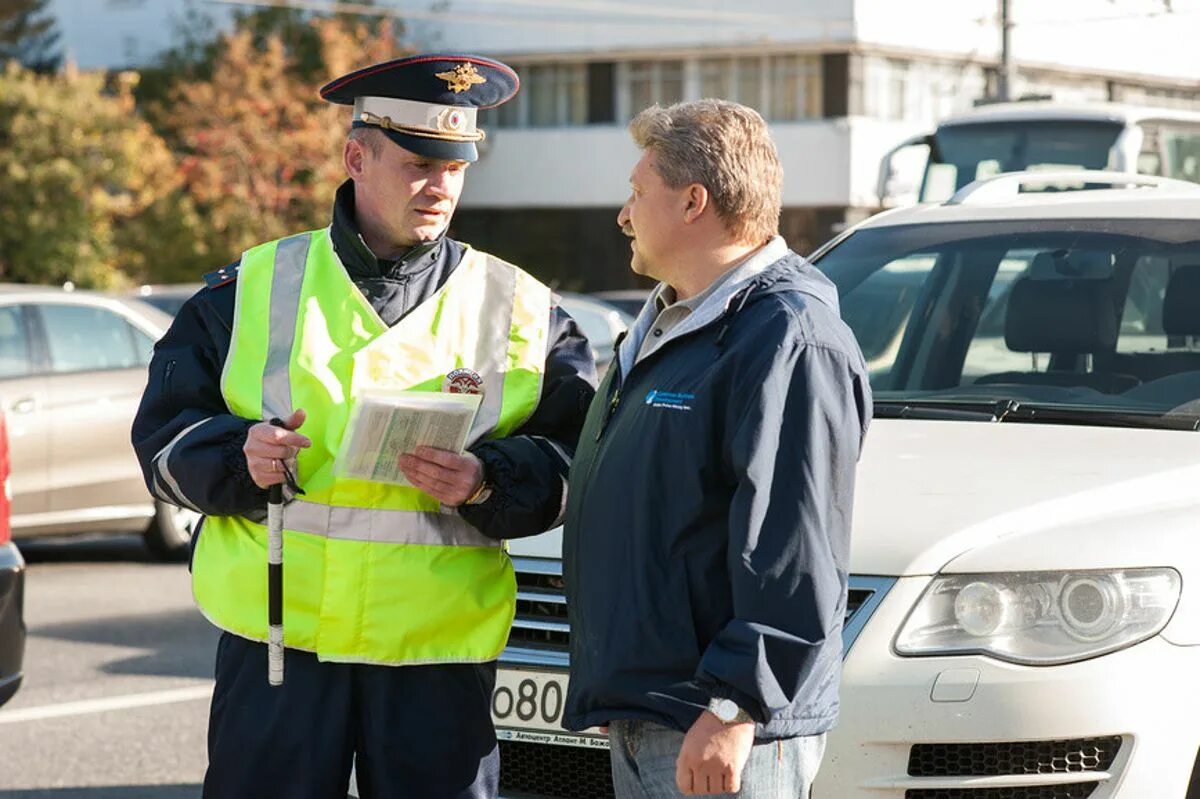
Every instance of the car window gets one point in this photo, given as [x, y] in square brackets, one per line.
[143, 344]
[167, 303]
[14, 342]
[84, 338]
[593, 323]
[879, 307]
[1102, 312]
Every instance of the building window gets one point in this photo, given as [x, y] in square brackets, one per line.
[557, 95]
[913, 91]
[795, 88]
[717, 78]
[551, 95]
[602, 93]
[646, 83]
[792, 86]
[749, 82]
[1156, 96]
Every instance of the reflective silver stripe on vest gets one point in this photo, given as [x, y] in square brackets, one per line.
[492, 345]
[384, 526]
[291, 255]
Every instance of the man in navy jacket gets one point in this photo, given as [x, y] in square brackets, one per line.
[708, 522]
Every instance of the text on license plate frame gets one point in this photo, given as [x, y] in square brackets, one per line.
[527, 705]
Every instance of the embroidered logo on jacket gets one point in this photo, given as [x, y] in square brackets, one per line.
[463, 381]
[669, 400]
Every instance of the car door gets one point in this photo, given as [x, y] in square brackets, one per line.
[23, 397]
[97, 374]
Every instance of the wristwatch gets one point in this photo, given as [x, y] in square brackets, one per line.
[481, 494]
[728, 711]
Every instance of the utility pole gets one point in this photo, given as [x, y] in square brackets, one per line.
[1008, 72]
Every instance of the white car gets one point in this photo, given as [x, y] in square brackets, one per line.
[1024, 616]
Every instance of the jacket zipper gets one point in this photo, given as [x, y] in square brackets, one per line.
[168, 370]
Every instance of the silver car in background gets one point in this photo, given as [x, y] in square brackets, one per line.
[72, 371]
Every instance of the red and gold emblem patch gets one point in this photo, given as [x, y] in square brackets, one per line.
[463, 381]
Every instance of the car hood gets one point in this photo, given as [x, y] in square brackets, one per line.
[930, 493]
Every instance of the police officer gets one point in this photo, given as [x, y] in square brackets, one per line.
[396, 600]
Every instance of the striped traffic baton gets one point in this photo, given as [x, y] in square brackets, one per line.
[275, 572]
[275, 585]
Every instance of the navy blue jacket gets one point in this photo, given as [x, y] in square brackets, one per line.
[208, 467]
[708, 522]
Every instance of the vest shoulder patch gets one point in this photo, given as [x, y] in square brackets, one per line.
[222, 276]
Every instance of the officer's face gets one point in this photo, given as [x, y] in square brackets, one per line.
[408, 198]
[652, 218]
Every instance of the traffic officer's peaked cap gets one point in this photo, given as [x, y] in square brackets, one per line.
[426, 103]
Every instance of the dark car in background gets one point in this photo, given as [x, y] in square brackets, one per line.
[628, 300]
[600, 322]
[167, 297]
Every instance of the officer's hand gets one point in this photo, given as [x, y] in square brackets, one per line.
[268, 446]
[712, 756]
[448, 477]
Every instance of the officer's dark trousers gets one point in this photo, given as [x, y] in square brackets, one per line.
[418, 732]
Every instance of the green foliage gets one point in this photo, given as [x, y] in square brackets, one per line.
[230, 148]
[74, 185]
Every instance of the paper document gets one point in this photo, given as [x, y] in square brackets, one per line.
[384, 426]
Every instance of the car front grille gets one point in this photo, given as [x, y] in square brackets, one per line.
[1021, 757]
[541, 624]
[562, 772]
[1077, 790]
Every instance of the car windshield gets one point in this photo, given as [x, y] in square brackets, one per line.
[966, 153]
[167, 303]
[1101, 316]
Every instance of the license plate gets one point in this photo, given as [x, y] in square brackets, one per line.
[528, 706]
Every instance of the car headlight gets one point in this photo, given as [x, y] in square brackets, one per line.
[1039, 618]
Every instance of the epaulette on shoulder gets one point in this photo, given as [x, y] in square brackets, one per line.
[222, 276]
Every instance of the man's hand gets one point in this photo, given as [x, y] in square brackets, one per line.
[712, 756]
[448, 477]
[268, 446]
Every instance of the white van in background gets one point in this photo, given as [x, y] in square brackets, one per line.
[1040, 135]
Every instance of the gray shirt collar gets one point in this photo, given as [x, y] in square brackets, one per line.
[706, 306]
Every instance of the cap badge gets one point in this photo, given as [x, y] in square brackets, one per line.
[462, 77]
[463, 381]
[452, 119]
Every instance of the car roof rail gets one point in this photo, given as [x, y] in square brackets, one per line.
[1008, 185]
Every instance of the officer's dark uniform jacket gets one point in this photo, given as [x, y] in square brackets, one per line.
[527, 470]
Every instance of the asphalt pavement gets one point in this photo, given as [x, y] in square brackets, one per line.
[118, 675]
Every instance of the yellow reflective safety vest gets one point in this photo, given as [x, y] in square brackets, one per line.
[373, 572]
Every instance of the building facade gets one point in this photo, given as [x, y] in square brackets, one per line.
[839, 82]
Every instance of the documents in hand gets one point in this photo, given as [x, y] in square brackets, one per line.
[385, 425]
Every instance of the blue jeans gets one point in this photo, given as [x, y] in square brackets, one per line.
[644, 754]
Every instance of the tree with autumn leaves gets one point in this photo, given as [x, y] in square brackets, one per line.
[260, 151]
[234, 150]
[79, 172]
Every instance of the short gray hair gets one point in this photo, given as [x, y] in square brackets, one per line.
[371, 138]
[726, 148]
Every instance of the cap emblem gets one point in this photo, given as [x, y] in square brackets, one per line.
[452, 119]
[462, 77]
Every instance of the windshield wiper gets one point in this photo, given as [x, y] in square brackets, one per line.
[1011, 410]
[953, 410]
[1067, 414]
